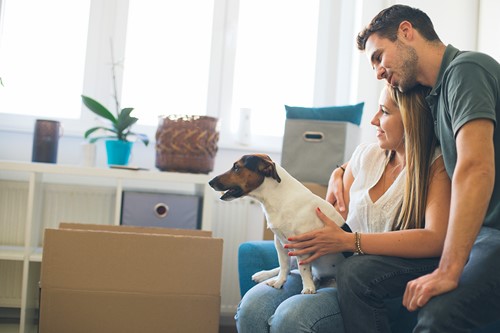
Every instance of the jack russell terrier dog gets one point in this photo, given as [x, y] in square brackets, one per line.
[290, 209]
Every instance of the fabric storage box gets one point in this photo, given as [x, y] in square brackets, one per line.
[151, 209]
[313, 148]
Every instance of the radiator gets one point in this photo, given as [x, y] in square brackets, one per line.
[236, 222]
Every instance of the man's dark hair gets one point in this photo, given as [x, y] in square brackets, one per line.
[386, 24]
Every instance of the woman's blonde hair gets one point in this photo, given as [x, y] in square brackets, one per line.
[420, 143]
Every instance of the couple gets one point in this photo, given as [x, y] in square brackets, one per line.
[429, 218]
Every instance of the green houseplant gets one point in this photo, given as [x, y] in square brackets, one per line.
[118, 133]
[120, 124]
[118, 146]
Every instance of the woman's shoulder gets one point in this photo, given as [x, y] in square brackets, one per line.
[369, 150]
[366, 154]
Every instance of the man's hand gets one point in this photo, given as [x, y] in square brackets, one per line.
[420, 291]
[335, 191]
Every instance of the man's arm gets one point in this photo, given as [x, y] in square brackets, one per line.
[335, 191]
[472, 186]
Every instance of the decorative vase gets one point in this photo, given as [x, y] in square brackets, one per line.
[89, 152]
[186, 143]
[45, 141]
[118, 151]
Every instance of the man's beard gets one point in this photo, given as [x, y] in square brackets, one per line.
[408, 78]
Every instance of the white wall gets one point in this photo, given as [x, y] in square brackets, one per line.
[457, 22]
[489, 27]
[467, 24]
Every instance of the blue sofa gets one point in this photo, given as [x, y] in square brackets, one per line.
[255, 256]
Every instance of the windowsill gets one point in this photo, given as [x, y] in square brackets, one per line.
[262, 144]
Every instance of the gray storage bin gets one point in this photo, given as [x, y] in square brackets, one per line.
[151, 209]
[313, 148]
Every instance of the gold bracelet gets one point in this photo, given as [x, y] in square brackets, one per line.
[357, 243]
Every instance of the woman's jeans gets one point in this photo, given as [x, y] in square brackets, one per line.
[286, 310]
[364, 282]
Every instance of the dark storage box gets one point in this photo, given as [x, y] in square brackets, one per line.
[151, 209]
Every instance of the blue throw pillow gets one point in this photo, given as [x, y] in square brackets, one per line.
[350, 113]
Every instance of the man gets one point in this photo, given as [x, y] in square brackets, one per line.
[463, 292]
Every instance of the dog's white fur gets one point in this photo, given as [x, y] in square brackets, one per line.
[290, 209]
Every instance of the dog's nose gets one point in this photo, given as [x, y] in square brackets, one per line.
[212, 182]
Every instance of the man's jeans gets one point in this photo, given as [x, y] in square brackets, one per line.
[365, 282]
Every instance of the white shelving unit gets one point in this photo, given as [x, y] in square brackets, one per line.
[35, 196]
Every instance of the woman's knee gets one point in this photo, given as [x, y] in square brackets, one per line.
[308, 313]
[287, 319]
[254, 310]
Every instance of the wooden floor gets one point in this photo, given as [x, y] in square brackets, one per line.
[227, 325]
[9, 328]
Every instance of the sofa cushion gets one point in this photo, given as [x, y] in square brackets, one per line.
[350, 113]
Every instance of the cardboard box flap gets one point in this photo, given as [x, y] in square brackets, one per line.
[143, 230]
[145, 263]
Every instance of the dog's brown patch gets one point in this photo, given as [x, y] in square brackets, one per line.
[246, 175]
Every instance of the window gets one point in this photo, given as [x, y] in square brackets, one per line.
[175, 57]
[167, 56]
[42, 57]
[275, 61]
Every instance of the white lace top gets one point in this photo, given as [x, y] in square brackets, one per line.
[364, 214]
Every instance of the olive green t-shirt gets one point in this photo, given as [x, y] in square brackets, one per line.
[467, 88]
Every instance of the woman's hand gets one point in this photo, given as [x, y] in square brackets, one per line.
[335, 191]
[329, 239]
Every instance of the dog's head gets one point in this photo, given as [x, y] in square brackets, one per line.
[246, 175]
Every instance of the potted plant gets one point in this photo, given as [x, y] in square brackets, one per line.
[118, 145]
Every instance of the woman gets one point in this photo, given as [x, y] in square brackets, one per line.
[398, 196]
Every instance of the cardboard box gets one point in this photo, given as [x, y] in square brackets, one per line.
[129, 279]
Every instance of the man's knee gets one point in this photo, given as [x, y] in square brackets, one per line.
[356, 270]
[432, 314]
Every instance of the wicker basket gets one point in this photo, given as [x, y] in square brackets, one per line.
[186, 143]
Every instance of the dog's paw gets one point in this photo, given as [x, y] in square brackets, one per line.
[276, 283]
[265, 275]
[309, 290]
[308, 287]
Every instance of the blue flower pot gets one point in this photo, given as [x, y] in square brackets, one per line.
[118, 151]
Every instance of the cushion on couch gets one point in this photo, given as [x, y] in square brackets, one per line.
[350, 113]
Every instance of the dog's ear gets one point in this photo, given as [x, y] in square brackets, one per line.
[269, 170]
[262, 164]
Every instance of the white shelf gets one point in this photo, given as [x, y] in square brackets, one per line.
[36, 255]
[104, 187]
[72, 170]
[11, 253]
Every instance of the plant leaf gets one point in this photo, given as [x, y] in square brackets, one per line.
[94, 139]
[93, 129]
[125, 121]
[143, 137]
[98, 109]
